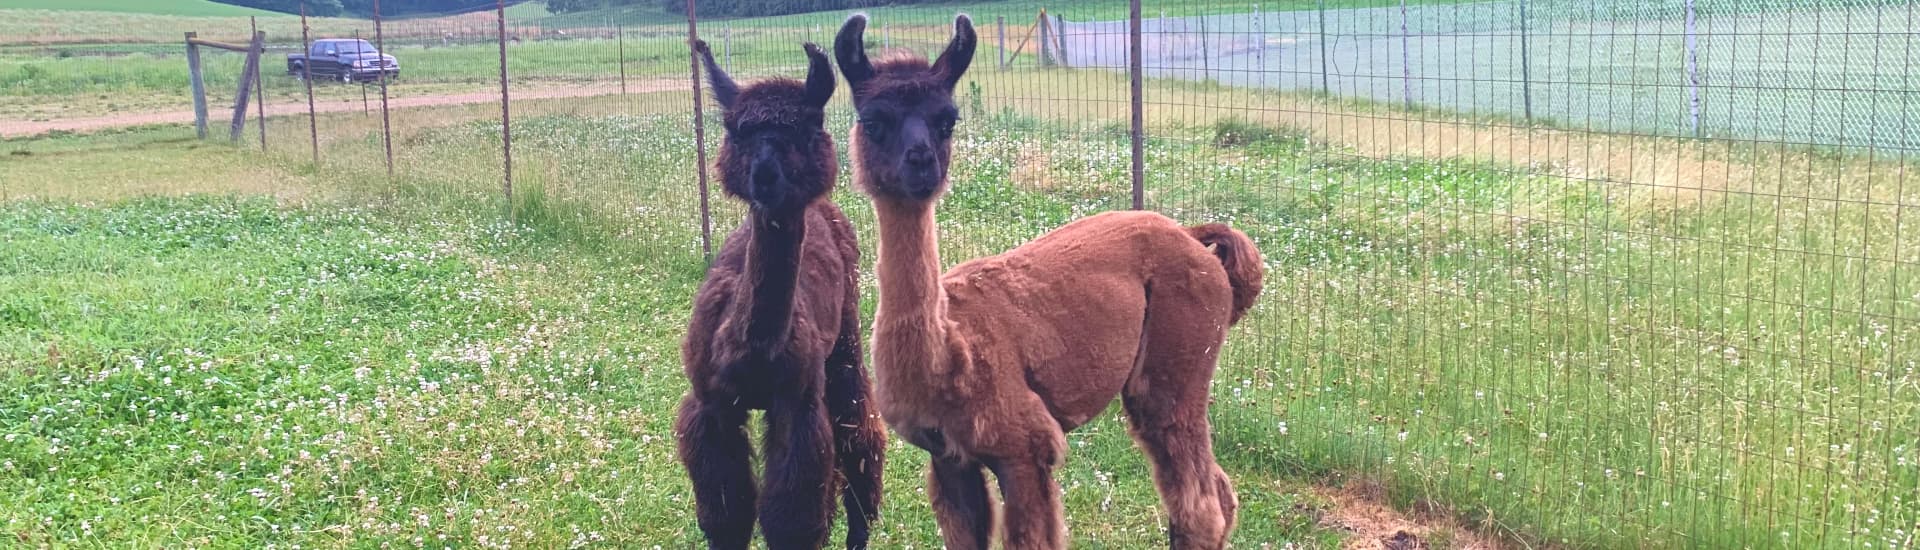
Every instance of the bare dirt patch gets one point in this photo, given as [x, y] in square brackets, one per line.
[1361, 511]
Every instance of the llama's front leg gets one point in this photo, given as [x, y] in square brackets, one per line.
[796, 504]
[1035, 518]
[961, 504]
[860, 438]
[713, 446]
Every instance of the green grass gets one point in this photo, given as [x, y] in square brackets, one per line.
[328, 373]
[157, 7]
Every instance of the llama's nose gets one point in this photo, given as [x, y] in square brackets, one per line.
[765, 173]
[920, 157]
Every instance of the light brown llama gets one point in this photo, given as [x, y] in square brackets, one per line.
[776, 327]
[990, 364]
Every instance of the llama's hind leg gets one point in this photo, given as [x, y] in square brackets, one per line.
[859, 437]
[1166, 403]
[713, 447]
[796, 502]
[961, 505]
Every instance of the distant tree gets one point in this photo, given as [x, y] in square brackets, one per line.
[322, 8]
[364, 8]
[757, 8]
[571, 6]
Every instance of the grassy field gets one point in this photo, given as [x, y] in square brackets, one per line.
[395, 364]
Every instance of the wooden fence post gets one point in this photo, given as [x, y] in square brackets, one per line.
[260, 90]
[1046, 39]
[1001, 22]
[199, 86]
[699, 134]
[506, 115]
[1060, 36]
[379, 62]
[306, 69]
[1326, 78]
[247, 76]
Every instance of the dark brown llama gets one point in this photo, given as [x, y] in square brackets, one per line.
[776, 327]
[990, 364]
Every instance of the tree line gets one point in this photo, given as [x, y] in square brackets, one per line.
[732, 8]
[364, 8]
[711, 8]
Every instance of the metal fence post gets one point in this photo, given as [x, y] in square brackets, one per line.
[1206, 56]
[699, 134]
[1160, 26]
[199, 86]
[620, 35]
[1260, 43]
[1406, 58]
[1526, 66]
[386, 118]
[1693, 72]
[306, 69]
[259, 89]
[1000, 22]
[1138, 132]
[1326, 76]
[506, 112]
[726, 42]
[364, 109]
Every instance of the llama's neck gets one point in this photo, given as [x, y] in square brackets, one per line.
[910, 325]
[771, 273]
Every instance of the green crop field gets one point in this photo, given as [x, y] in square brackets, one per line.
[157, 7]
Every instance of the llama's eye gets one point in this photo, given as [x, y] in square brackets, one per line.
[946, 126]
[878, 132]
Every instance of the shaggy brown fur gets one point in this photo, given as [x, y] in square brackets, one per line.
[776, 327]
[990, 364]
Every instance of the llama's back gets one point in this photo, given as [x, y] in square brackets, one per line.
[1071, 307]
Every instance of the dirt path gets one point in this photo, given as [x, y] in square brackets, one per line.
[220, 117]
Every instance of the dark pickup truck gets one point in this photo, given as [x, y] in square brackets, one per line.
[343, 59]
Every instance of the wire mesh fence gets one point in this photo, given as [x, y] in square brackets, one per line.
[1613, 273]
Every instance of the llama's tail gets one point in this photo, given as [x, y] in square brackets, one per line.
[1245, 272]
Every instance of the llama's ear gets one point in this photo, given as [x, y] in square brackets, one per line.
[819, 76]
[850, 49]
[959, 54]
[724, 90]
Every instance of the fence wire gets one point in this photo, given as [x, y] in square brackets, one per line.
[1594, 274]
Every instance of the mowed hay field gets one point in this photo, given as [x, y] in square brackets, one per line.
[1529, 335]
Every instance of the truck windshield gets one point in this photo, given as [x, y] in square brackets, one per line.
[356, 46]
